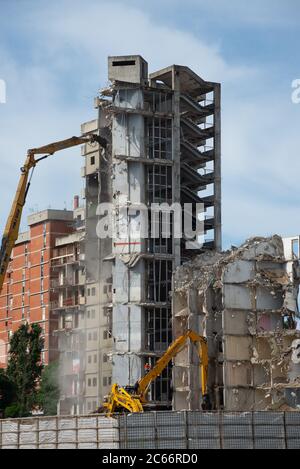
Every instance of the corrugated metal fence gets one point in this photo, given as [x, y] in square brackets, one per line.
[156, 430]
[216, 430]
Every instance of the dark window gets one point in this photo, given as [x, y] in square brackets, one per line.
[122, 63]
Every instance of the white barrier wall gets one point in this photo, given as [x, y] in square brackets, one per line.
[85, 432]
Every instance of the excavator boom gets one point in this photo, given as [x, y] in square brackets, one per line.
[172, 351]
[132, 400]
[12, 227]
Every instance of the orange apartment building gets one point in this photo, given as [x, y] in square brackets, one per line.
[26, 295]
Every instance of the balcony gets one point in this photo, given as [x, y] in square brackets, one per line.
[64, 260]
[67, 303]
[56, 283]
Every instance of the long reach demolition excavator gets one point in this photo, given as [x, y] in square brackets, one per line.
[134, 398]
[12, 227]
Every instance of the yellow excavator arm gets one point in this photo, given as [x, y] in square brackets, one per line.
[133, 399]
[171, 352]
[12, 227]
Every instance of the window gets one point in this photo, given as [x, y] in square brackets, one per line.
[76, 322]
[92, 160]
[94, 382]
[89, 359]
[105, 358]
[158, 332]
[89, 406]
[95, 358]
[95, 335]
[89, 382]
[159, 274]
[159, 135]
[93, 291]
[295, 248]
[109, 381]
[105, 381]
[26, 255]
[93, 314]
[44, 234]
[107, 334]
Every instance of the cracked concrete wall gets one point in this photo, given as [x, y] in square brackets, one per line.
[96, 367]
[246, 307]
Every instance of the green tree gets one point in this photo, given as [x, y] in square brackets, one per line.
[49, 389]
[25, 367]
[7, 391]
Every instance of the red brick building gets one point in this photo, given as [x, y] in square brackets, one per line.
[26, 293]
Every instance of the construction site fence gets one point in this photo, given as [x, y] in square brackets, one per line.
[156, 430]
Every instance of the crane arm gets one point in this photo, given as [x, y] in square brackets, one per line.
[172, 351]
[12, 227]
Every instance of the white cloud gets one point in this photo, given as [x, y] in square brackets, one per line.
[274, 13]
[51, 95]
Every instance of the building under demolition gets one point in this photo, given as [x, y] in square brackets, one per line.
[110, 294]
[162, 135]
[245, 302]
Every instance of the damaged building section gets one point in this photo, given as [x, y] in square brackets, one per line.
[244, 301]
[163, 147]
[159, 143]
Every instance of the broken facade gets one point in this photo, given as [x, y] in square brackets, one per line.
[245, 302]
[163, 146]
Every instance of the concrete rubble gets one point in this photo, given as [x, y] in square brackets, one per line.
[245, 302]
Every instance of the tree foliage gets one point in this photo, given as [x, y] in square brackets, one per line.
[7, 391]
[25, 366]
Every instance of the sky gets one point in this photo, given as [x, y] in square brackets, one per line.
[53, 60]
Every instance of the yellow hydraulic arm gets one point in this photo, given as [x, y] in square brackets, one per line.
[144, 383]
[133, 398]
[11, 231]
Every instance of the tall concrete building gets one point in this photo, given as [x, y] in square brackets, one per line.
[162, 134]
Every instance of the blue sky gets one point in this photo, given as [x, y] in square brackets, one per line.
[53, 57]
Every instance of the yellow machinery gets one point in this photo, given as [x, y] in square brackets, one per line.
[134, 398]
[11, 231]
